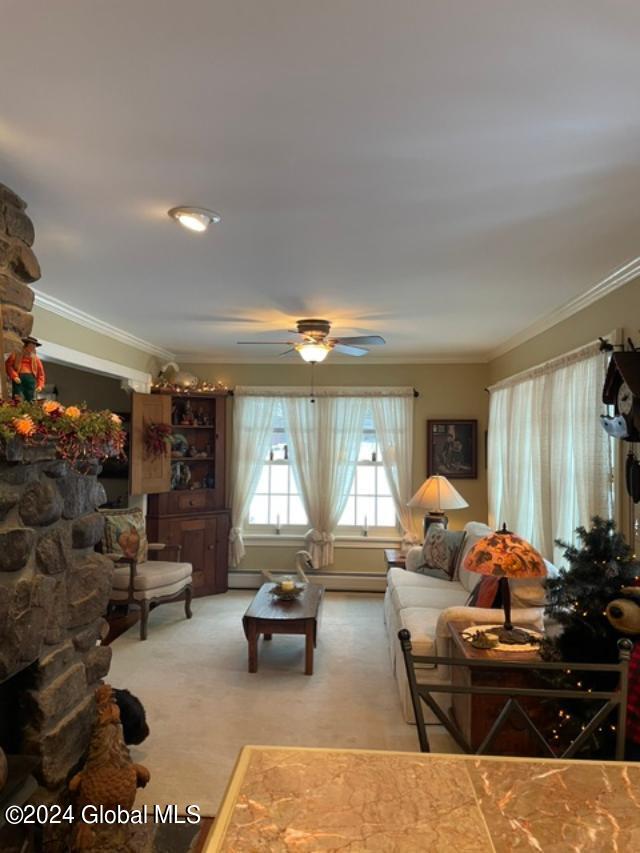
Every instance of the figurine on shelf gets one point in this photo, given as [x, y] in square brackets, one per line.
[25, 371]
[209, 481]
[187, 415]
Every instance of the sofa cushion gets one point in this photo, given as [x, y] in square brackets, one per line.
[397, 577]
[441, 548]
[421, 623]
[475, 531]
[151, 575]
[408, 596]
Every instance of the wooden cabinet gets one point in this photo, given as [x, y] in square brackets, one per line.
[186, 489]
[204, 541]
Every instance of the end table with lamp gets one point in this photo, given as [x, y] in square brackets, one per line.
[505, 555]
[435, 496]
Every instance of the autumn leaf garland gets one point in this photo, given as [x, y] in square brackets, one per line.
[76, 431]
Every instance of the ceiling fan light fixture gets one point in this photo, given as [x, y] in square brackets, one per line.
[313, 353]
[195, 218]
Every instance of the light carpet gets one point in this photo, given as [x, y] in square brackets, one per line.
[203, 706]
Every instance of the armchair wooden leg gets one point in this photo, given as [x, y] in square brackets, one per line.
[188, 594]
[144, 618]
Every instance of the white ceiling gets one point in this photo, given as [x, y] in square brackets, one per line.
[441, 173]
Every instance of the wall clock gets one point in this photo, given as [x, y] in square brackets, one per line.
[622, 391]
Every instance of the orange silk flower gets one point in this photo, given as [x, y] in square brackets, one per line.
[51, 406]
[24, 425]
[73, 412]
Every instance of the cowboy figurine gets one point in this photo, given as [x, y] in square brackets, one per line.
[25, 370]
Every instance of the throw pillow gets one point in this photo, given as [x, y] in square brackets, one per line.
[433, 573]
[486, 593]
[441, 548]
[125, 534]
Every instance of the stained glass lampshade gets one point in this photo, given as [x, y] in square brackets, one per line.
[504, 555]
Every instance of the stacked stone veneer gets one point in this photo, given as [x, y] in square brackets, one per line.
[54, 590]
[18, 268]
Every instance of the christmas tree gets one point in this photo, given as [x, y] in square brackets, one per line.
[595, 573]
[577, 598]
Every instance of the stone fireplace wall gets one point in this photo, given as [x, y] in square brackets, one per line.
[54, 590]
[18, 268]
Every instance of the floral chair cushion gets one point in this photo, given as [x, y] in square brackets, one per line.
[125, 534]
[441, 548]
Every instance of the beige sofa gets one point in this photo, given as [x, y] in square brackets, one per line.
[423, 605]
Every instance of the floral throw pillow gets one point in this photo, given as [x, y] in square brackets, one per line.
[125, 534]
[441, 548]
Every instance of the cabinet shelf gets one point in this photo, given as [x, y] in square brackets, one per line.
[191, 426]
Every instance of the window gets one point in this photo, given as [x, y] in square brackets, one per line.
[550, 461]
[370, 504]
[276, 503]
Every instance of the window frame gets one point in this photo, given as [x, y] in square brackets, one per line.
[343, 531]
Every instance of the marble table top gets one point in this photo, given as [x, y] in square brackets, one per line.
[294, 799]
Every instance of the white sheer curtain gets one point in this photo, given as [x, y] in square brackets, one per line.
[325, 439]
[393, 422]
[252, 433]
[549, 460]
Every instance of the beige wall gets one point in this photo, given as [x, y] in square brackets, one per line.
[446, 391]
[81, 386]
[58, 330]
[620, 309]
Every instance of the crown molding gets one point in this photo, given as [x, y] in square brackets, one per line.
[612, 282]
[194, 358]
[68, 312]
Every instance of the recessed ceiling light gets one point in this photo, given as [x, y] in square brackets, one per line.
[195, 218]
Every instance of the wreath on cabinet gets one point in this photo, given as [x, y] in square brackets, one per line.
[157, 439]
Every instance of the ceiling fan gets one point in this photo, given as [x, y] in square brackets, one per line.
[316, 343]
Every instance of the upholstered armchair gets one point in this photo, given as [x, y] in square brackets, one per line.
[137, 579]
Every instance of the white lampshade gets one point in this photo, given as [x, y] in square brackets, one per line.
[437, 493]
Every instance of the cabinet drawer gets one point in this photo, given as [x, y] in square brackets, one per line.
[189, 501]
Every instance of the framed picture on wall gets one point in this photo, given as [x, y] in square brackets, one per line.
[452, 449]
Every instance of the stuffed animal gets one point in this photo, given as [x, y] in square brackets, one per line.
[624, 616]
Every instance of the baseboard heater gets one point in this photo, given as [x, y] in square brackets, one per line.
[338, 581]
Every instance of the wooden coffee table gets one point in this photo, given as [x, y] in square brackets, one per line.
[268, 615]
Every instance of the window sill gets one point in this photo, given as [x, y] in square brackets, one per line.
[288, 540]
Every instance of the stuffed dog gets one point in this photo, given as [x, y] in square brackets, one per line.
[624, 616]
[132, 717]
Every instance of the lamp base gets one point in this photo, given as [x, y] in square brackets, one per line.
[434, 518]
[516, 637]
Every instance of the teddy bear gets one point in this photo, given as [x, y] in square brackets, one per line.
[624, 616]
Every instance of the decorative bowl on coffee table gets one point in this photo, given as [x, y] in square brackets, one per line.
[287, 593]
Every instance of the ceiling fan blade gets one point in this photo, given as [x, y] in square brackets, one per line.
[367, 340]
[347, 350]
[287, 351]
[267, 343]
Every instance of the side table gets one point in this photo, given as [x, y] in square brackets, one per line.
[394, 557]
[475, 713]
